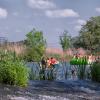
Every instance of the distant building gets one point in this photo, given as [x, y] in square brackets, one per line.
[3, 40]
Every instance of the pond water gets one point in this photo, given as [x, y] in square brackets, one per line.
[63, 87]
[52, 90]
[61, 70]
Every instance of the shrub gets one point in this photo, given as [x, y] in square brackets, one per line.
[81, 71]
[78, 61]
[81, 65]
[95, 71]
[12, 70]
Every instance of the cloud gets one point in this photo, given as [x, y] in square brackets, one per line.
[98, 10]
[62, 13]
[3, 13]
[78, 27]
[41, 4]
[81, 22]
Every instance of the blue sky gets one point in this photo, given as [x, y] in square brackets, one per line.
[18, 17]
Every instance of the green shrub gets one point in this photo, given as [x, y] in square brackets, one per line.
[81, 71]
[95, 71]
[12, 70]
[78, 61]
[81, 65]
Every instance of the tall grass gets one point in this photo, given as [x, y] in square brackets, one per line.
[95, 72]
[12, 70]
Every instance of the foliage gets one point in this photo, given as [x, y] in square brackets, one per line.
[65, 41]
[76, 42]
[12, 71]
[89, 37]
[36, 45]
[67, 57]
[81, 65]
[78, 61]
[95, 71]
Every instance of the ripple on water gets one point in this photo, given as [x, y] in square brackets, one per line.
[40, 97]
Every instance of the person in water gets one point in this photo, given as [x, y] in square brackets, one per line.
[54, 64]
[48, 69]
[43, 67]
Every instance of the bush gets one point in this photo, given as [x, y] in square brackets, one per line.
[81, 64]
[13, 71]
[78, 61]
[81, 71]
[95, 72]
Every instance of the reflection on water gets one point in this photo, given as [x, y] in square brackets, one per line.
[62, 88]
[40, 97]
[53, 90]
[60, 72]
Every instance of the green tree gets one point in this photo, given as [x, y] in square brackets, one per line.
[76, 42]
[36, 45]
[89, 37]
[65, 41]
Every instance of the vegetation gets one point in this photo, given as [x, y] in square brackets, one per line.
[81, 66]
[65, 41]
[12, 71]
[89, 37]
[95, 72]
[36, 45]
[79, 61]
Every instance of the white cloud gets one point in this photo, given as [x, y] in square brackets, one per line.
[41, 4]
[3, 13]
[81, 22]
[98, 10]
[78, 27]
[61, 13]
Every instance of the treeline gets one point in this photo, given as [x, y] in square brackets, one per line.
[88, 38]
[89, 35]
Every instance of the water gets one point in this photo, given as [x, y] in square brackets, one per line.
[63, 87]
[52, 90]
[60, 71]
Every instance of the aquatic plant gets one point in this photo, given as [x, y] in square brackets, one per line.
[95, 71]
[80, 63]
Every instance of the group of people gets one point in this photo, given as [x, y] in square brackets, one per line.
[47, 66]
[90, 60]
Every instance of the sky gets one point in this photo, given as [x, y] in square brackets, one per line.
[52, 17]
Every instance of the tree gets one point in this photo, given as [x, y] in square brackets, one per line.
[36, 45]
[65, 41]
[76, 42]
[89, 37]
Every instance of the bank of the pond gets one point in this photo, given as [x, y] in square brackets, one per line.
[52, 90]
